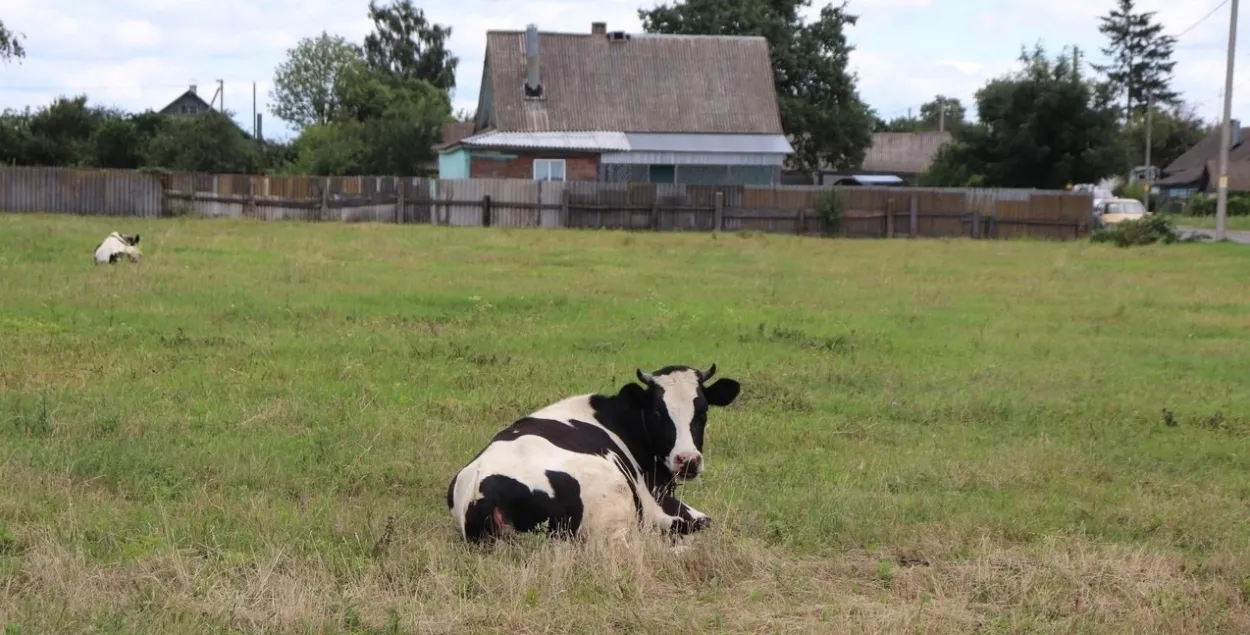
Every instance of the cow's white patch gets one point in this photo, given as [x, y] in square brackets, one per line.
[113, 245]
[607, 501]
[680, 390]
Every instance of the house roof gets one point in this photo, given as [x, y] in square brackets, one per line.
[598, 141]
[191, 93]
[1209, 149]
[1183, 177]
[453, 132]
[644, 83]
[1238, 175]
[906, 152]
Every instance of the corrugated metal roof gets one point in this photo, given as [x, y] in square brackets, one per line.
[645, 84]
[649, 157]
[712, 142]
[596, 141]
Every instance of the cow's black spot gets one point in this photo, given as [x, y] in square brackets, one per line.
[579, 437]
[525, 509]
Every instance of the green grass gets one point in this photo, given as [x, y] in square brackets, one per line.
[253, 430]
[1239, 223]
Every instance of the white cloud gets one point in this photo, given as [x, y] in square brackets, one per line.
[141, 54]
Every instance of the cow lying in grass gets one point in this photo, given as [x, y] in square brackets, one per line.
[117, 246]
[592, 464]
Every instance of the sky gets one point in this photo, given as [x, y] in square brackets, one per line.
[139, 54]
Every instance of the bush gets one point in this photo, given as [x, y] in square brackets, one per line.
[1143, 231]
[829, 207]
[1204, 205]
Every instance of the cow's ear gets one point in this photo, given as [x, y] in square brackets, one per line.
[722, 392]
[136, 240]
[634, 393]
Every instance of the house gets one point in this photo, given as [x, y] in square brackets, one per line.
[1197, 170]
[905, 155]
[187, 104]
[623, 107]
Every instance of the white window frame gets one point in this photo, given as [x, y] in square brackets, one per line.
[543, 169]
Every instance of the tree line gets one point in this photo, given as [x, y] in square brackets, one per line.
[378, 106]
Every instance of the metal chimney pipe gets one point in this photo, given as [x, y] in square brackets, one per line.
[533, 75]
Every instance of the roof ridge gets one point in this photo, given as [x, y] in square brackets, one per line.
[632, 34]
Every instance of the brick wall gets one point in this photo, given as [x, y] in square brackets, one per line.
[579, 167]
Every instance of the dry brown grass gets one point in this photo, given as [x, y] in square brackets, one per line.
[422, 583]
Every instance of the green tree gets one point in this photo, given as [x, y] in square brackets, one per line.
[211, 142]
[820, 107]
[389, 125]
[305, 85]
[403, 43]
[1141, 62]
[1173, 131]
[61, 132]
[1043, 126]
[942, 113]
[10, 44]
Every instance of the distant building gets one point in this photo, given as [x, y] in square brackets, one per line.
[623, 107]
[905, 155]
[188, 104]
[1197, 170]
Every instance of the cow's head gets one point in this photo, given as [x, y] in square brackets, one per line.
[675, 401]
[129, 240]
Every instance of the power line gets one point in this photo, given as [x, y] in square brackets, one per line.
[1201, 20]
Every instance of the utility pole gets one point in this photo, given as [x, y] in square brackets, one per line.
[942, 117]
[1226, 132]
[254, 111]
[221, 88]
[1149, 112]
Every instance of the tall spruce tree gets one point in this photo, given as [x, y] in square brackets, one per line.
[1141, 62]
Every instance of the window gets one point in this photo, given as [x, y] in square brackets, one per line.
[548, 169]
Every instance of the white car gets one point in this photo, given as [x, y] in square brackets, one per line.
[1112, 211]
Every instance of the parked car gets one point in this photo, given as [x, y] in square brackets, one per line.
[1112, 211]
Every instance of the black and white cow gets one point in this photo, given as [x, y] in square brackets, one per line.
[592, 464]
[116, 246]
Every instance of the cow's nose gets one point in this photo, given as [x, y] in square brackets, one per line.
[688, 465]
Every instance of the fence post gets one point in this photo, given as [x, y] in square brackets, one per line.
[251, 197]
[655, 215]
[718, 212]
[889, 217]
[992, 226]
[166, 181]
[802, 223]
[913, 214]
[400, 206]
[976, 224]
[325, 199]
[486, 211]
[564, 206]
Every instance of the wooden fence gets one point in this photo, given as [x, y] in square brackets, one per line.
[867, 211]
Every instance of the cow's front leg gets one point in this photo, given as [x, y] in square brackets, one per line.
[689, 519]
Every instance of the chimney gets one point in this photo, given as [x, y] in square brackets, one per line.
[193, 87]
[598, 28]
[533, 78]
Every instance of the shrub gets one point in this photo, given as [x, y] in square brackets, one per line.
[1204, 205]
[829, 207]
[1143, 231]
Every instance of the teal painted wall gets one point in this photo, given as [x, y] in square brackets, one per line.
[453, 164]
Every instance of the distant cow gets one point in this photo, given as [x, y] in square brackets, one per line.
[594, 463]
[117, 246]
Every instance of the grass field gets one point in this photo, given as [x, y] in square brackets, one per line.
[1239, 223]
[253, 430]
